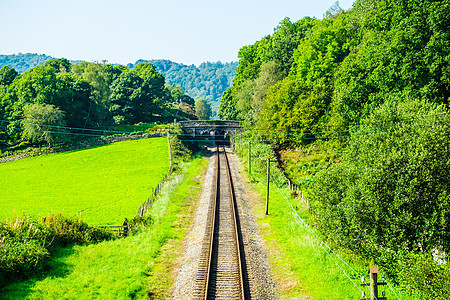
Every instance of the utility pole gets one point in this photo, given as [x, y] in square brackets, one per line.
[268, 181]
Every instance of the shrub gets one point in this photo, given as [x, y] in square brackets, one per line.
[26, 243]
[424, 277]
[390, 192]
[21, 255]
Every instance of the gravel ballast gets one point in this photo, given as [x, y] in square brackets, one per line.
[260, 281]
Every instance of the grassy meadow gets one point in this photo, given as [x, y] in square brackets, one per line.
[137, 267]
[102, 184]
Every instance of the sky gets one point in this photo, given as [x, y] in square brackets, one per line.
[188, 32]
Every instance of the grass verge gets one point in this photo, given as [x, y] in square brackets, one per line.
[130, 268]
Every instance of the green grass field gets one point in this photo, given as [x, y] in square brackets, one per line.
[101, 184]
[128, 268]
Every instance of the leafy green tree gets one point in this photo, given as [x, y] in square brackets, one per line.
[227, 108]
[202, 109]
[270, 74]
[37, 85]
[100, 77]
[74, 98]
[41, 123]
[178, 95]
[155, 83]
[390, 192]
[7, 75]
[59, 65]
[131, 99]
[403, 51]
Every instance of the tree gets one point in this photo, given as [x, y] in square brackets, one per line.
[131, 99]
[59, 65]
[390, 192]
[42, 123]
[227, 108]
[202, 109]
[7, 75]
[99, 76]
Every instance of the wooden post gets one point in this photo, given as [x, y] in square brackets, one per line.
[249, 158]
[268, 181]
[373, 284]
[125, 228]
[170, 149]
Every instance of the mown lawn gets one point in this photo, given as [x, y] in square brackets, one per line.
[101, 184]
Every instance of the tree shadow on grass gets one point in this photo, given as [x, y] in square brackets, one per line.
[22, 287]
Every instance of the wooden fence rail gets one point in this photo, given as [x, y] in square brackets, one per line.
[121, 231]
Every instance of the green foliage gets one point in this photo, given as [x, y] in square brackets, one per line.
[403, 50]
[227, 108]
[202, 109]
[131, 99]
[424, 277]
[390, 192]
[7, 75]
[26, 244]
[59, 65]
[40, 121]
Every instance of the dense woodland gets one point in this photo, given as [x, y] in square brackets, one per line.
[371, 86]
[207, 81]
[58, 102]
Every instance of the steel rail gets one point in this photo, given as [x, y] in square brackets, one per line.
[237, 234]
[211, 277]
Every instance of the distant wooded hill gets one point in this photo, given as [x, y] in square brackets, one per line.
[207, 81]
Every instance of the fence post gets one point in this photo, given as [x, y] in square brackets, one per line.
[374, 285]
[125, 228]
[249, 158]
[268, 181]
[170, 149]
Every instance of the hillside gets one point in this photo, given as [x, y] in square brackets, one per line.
[355, 107]
[207, 81]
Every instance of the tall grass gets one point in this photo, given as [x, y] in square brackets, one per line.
[102, 185]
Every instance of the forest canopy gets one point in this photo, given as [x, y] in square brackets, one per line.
[47, 100]
[371, 86]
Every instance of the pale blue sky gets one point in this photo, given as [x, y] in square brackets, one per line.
[124, 31]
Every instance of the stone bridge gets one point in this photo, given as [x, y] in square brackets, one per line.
[213, 130]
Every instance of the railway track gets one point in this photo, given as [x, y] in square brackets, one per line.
[222, 272]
